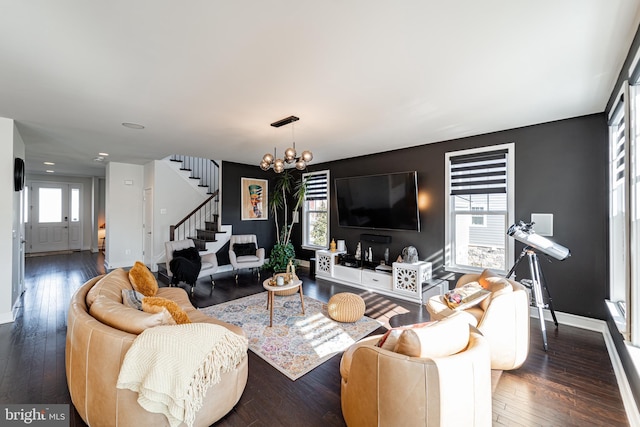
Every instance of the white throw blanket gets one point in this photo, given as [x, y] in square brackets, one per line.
[171, 367]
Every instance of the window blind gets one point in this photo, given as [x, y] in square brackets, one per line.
[618, 136]
[479, 173]
[316, 187]
[618, 125]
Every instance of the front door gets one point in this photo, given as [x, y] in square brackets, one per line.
[55, 223]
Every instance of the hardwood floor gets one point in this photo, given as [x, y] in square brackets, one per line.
[571, 384]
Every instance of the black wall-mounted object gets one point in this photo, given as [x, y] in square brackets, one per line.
[386, 201]
[18, 174]
[375, 238]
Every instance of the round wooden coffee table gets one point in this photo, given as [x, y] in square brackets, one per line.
[271, 290]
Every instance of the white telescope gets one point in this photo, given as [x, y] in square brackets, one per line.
[524, 233]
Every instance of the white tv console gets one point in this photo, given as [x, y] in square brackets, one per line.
[404, 281]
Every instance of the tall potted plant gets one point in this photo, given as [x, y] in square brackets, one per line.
[287, 190]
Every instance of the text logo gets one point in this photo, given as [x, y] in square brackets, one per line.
[36, 415]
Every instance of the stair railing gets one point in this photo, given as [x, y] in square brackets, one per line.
[204, 170]
[207, 171]
[187, 227]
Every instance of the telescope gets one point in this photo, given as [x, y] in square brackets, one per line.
[523, 232]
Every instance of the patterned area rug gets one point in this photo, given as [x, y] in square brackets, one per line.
[296, 343]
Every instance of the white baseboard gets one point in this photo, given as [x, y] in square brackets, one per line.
[6, 317]
[629, 402]
[572, 320]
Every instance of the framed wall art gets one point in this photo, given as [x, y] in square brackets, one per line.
[254, 196]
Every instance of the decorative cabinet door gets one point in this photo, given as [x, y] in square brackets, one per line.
[325, 261]
[408, 278]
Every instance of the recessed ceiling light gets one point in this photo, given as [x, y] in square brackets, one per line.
[132, 125]
[49, 163]
[103, 154]
[49, 171]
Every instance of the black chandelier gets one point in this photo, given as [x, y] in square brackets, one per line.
[270, 161]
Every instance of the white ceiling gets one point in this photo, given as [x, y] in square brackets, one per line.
[207, 77]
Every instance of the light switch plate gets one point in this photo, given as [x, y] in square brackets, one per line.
[543, 223]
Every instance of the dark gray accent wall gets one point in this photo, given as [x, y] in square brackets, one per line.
[561, 168]
[231, 203]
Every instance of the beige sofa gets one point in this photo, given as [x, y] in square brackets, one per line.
[95, 350]
[503, 318]
[436, 375]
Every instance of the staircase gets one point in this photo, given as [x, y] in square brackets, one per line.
[202, 224]
[205, 171]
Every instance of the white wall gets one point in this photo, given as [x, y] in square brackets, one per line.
[18, 231]
[100, 207]
[124, 208]
[97, 212]
[173, 198]
[7, 130]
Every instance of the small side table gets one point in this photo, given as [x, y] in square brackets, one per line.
[271, 290]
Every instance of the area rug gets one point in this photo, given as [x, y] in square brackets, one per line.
[296, 343]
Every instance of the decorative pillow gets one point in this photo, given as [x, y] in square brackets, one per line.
[390, 338]
[119, 316]
[190, 253]
[156, 304]
[443, 338]
[143, 280]
[242, 249]
[132, 299]
[466, 296]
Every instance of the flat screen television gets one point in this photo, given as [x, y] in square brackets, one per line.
[385, 201]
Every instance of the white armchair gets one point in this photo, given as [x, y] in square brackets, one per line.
[503, 318]
[209, 261]
[436, 375]
[244, 255]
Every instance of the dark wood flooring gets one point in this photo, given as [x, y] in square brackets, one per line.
[571, 384]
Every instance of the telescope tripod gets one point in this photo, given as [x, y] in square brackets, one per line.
[537, 282]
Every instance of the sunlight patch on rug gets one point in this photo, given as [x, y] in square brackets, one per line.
[296, 343]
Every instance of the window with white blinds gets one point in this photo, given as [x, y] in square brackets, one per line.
[315, 211]
[479, 180]
[620, 257]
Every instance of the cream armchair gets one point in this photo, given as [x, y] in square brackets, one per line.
[446, 383]
[249, 259]
[209, 261]
[503, 318]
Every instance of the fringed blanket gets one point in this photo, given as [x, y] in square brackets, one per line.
[171, 367]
